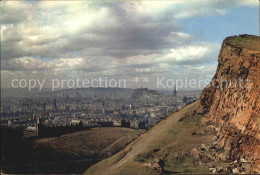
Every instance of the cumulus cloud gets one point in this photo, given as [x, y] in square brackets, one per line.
[59, 29]
[105, 38]
[193, 53]
[114, 29]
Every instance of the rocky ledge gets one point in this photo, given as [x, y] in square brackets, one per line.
[232, 104]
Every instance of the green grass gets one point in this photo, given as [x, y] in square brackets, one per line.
[166, 140]
[245, 41]
[178, 140]
[133, 168]
[107, 162]
[82, 144]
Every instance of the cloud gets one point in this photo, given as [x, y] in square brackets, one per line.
[194, 53]
[23, 63]
[92, 29]
[92, 38]
[204, 8]
[10, 11]
[119, 29]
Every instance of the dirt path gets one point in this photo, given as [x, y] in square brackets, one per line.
[142, 142]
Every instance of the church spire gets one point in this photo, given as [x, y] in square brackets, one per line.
[175, 92]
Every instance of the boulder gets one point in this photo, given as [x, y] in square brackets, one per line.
[157, 165]
[232, 102]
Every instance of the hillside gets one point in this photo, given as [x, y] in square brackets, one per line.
[218, 134]
[93, 143]
[166, 141]
[69, 153]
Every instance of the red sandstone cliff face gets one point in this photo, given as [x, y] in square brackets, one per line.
[233, 104]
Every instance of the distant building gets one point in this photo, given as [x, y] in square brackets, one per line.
[175, 92]
[142, 91]
[44, 111]
[55, 108]
[188, 99]
[103, 111]
[105, 123]
[9, 123]
[75, 122]
[32, 131]
[134, 124]
[116, 122]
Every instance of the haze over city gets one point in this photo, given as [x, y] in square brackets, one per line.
[130, 87]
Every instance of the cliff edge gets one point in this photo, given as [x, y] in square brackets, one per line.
[232, 101]
[218, 133]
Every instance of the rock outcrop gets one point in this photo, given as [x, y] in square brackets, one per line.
[232, 100]
[157, 165]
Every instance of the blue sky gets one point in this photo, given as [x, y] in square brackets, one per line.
[239, 20]
[119, 40]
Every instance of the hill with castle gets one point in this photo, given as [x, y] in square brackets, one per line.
[219, 133]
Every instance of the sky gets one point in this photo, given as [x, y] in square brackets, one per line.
[140, 42]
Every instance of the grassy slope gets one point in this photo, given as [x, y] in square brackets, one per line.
[82, 144]
[245, 41]
[171, 136]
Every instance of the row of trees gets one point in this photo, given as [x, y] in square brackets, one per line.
[47, 131]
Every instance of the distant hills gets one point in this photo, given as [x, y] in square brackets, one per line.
[217, 134]
[83, 92]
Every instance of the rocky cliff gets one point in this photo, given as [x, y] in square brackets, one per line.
[232, 101]
[218, 133]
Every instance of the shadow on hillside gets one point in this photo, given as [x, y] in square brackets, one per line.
[170, 172]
